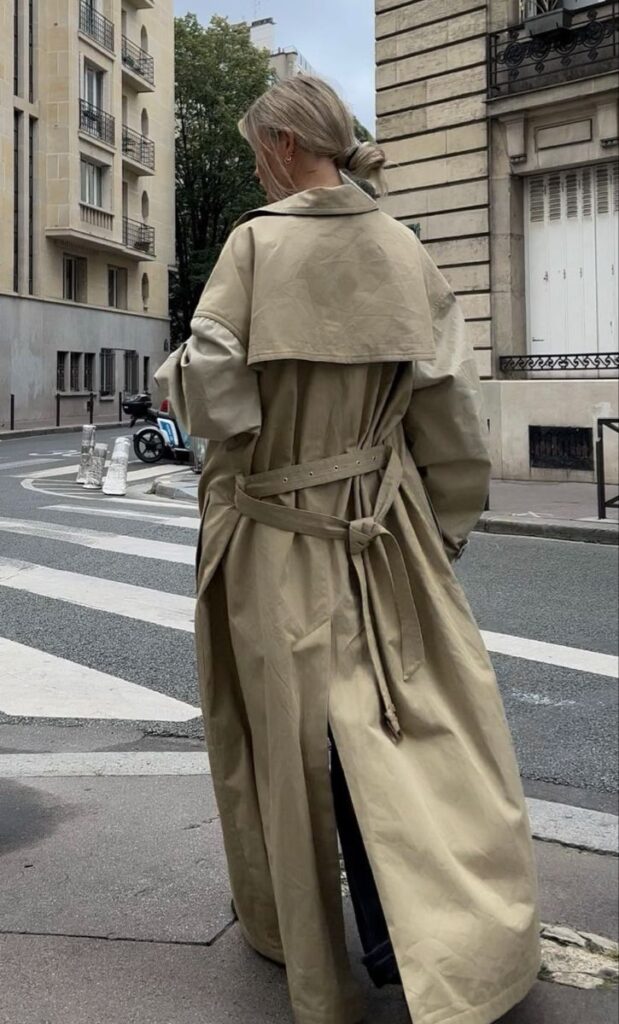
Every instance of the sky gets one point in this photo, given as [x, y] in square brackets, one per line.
[335, 36]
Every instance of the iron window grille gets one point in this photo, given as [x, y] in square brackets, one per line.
[61, 362]
[132, 372]
[139, 147]
[96, 26]
[559, 363]
[519, 61]
[97, 123]
[137, 235]
[89, 371]
[138, 60]
[74, 371]
[107, 372]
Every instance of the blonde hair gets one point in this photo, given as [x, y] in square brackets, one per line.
[322, 125]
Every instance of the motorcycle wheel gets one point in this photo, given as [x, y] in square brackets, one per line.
[149, 446]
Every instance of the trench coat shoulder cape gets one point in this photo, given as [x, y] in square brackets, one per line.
[346, 466]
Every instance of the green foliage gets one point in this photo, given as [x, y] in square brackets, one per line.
[218, 75]
[362, 133]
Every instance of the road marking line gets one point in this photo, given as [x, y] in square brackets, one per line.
[35, 684]
[132, 762]
[176, 611]
[77, 494]
[182, 522]
[25, 462]
[574, 826]
[153, 606]
[45, 474]
[571, 826]
[590, 662]
[118, 543]
[146, 472]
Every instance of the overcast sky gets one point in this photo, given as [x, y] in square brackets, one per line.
[335, 36]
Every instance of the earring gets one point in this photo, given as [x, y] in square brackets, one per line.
[287, 159]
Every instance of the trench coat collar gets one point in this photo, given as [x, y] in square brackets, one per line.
[342, 200]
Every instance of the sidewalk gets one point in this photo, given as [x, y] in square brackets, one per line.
[563, 511]
[115, 905]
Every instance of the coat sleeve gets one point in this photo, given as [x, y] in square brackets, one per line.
[444, 423]
[213, 391]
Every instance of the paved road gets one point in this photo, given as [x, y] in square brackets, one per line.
[127, 915]
[85, 553]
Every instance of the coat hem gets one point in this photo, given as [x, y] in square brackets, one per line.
[492, 1011]
[334, 357]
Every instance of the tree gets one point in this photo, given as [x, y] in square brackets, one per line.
[219, 73]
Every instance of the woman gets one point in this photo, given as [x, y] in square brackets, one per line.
[347, 464]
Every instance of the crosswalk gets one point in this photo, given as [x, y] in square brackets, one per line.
[36, 683]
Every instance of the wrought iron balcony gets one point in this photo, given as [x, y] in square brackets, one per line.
[559, 363]
[137, 235]
[138, 61]
[139, 148]
[97, 123]
[96, 26]
[519, 61]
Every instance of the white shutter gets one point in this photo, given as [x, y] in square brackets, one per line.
[572, 251]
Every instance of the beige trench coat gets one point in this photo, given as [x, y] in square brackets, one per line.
[346, 468]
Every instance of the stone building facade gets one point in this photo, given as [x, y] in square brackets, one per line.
[87, 203]
[500, 117]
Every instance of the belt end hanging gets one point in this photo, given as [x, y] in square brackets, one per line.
[393, 723]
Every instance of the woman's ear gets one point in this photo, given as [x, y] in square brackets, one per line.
[286, 145]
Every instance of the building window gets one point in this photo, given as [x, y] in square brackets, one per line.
[61, 365]
[91, 182]
[16, 196]
[107, 372]
[74, 275]
[144, 121]
[132, 370]
[89, 372]
[93, 86]
[145, 205]
[31, 145]
[146, 374]
[145, 290]
[117, 287]
[74, 371]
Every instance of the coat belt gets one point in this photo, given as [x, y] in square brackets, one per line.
[363, 536]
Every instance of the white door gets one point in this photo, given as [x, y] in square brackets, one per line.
[93, 86]
[572, 226]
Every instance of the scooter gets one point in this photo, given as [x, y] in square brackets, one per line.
[139, 407]
[163, 440]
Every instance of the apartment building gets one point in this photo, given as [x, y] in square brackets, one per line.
[86, 204]
[285, 62]
[501, 119]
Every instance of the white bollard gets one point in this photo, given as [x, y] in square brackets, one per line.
[88, 443]
[116, 479]
[94, 470]
[198, 447]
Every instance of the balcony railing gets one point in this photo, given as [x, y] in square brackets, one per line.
[96, 26]
[97, 123]
[138, 147]
[138, 61]
[519, 61]
[137, 235]
[559, 363]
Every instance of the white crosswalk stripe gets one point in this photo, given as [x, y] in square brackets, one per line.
[181, 522]
[36, 684]
[143, 547]
[153, 606]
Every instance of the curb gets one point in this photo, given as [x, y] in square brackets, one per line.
[165, 487]
[551, 529]
[6, 435]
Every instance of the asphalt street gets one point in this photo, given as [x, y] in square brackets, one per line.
[566, 593]
[115, 902]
